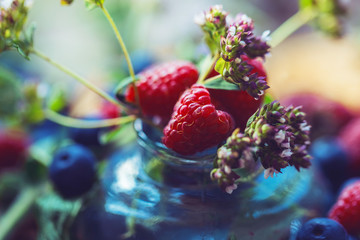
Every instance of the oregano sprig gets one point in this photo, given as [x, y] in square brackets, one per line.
[276, 136]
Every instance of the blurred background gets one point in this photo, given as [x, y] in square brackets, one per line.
[156, 30]
[309, 68]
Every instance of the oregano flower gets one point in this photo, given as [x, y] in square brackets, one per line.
[213, 24]
[13, 17]
[239, 44]
[276, 136]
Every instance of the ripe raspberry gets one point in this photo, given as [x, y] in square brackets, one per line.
[239, 104]
[160, 86]
[195, 124]
[13, 148]
[346, 210]
[349, 137]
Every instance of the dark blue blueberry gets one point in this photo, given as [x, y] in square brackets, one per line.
[86, 136]
[320, 229]
[140, 60]
[332, 159]
[72, 171]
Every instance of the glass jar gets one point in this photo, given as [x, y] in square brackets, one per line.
[150, 192]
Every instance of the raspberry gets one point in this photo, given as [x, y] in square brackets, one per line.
[109, 110]
[195, 124]
[346, 210]
[349, 137]
[160, 86]
[13, 148]
[239, 104]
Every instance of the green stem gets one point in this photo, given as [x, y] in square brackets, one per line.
[126, 53]
[18, 209]
[292, 24]
[79, 123]
[85, 82]
[209, 69]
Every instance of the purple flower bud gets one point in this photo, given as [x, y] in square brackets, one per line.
[282, 136]
[235, 159]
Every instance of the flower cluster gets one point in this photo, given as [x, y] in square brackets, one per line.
[328, 15]
[281, 136]
[239, 73]
[241, 43]
[213, 23]
[275, 135]
[235, 160]
[13, 15]
[240, 40]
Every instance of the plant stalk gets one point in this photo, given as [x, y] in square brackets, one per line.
[292, 24]
[18, 209]
[80, 79]
[126, 54]
[79, 123]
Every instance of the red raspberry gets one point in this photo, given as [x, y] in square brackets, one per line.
[349, 137]
[195, 124]
[109, 110]
[160, 87]
[13, 149]
[346, 210]
[239, 104]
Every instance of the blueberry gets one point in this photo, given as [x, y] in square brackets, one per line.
[332, 159]
[72, 171]
[322, 228]
[86, 136]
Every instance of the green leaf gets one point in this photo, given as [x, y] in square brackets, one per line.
[220, 65]
[35, 171]
[22, 50]
[57, 99]
[42, 150]
[204, 64]
[123, 84]
[220, 84]
[251, 119]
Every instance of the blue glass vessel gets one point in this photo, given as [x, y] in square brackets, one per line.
[150, 192]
